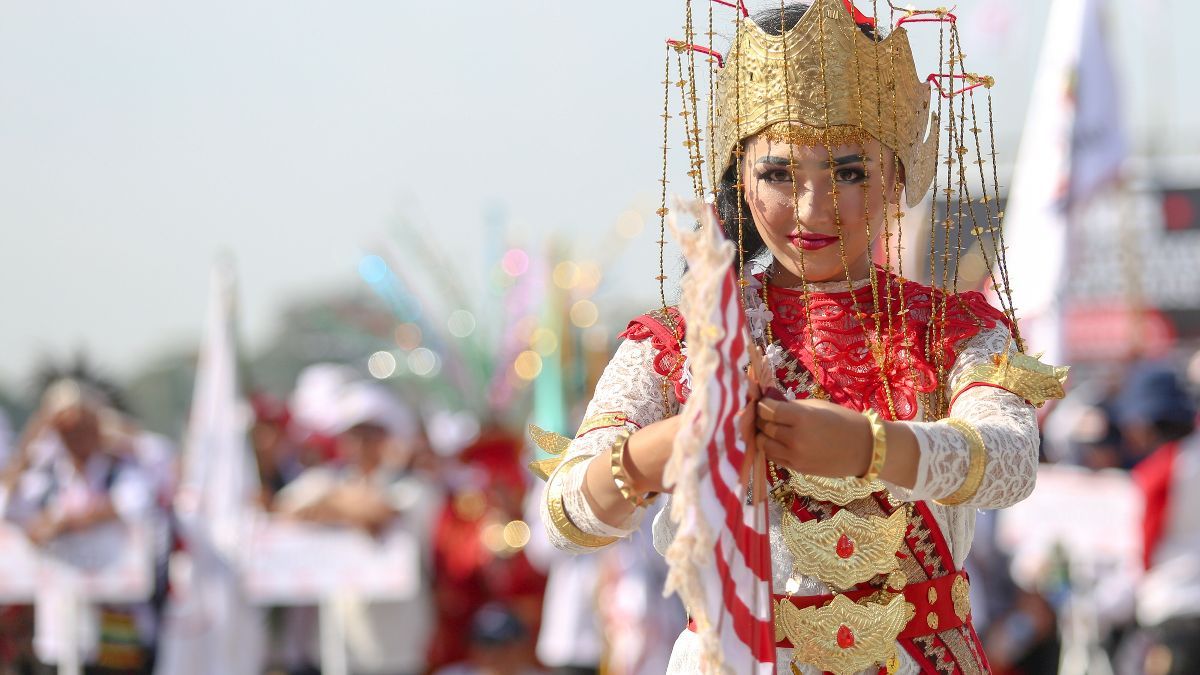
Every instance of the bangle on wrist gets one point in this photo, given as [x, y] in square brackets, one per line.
[621, 476]
[878, 445]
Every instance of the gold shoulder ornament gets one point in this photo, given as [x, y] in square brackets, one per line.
[1024, 375]
[555, 444]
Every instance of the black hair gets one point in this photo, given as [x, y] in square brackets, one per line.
[773, 21]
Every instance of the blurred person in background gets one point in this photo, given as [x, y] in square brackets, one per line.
[497, 644]
[81, 468]
[1019, 628]
[479, 542]
[276, 455]
[373, 489]
[1159, 418]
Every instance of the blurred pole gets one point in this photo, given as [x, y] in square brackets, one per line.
[333, 636]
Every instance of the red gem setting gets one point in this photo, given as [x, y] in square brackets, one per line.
[845, 547]
[845, 637]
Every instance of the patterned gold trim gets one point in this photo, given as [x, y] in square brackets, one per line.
[871, 629]
[846, 549]
[558, 512]
[795, 133]
[977, 466]
[1024, 375]
[878, 445]
[932, 619]
[616, 459]
[555, 444]
[602, 421]
[840, 491]
[960, 593]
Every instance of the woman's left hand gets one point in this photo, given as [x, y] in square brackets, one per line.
[814, 437]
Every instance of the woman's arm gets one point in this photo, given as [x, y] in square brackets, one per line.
[983, 456]
[580, 508]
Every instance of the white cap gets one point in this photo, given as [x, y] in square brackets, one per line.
[314, 403]
[372, 403]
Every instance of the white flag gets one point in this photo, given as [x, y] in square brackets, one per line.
[208, 628]
[1072, 146]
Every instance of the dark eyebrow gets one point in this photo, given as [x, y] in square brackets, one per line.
[784, 161]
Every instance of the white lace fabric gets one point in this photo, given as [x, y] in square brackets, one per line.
[631, 386]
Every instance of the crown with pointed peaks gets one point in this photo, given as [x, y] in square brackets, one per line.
[824, 73]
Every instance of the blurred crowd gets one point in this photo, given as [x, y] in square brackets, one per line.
[341, 452]
[493, 597]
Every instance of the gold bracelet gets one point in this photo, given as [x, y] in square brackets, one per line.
[878, 445]
[558, 511]
[977, 466]
[621, 477]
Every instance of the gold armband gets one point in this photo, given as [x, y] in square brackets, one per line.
[616, 458]
[558, 511]
[878, 445]
[976, 467]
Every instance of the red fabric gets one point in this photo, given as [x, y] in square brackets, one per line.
[859, 17]
[832, 334]
[667, 341]
[842, 328]
[1153, 478]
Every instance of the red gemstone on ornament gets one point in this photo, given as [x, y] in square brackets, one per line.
[845, 637]
[845, 547]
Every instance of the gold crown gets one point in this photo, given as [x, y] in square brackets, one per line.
[873, 86]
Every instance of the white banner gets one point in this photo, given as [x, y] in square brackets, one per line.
[291, 563]
[111, 563]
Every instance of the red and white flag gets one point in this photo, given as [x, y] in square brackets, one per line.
[720, 559]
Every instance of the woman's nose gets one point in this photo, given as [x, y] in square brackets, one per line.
[814, 200]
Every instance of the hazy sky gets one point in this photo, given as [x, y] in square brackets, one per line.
[139, 138]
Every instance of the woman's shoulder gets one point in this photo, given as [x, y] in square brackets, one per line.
[664, 326]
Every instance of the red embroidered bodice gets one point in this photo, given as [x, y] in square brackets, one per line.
[919, 329]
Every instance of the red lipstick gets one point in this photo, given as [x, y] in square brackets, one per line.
[811, 241]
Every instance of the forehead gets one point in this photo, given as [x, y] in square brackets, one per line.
[808, 148]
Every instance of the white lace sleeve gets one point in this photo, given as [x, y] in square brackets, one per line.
[632, 388]
[1010, 437]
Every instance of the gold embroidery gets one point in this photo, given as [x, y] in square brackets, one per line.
[975, 469]
[932, 620]
[932, 595]
[558, 512]
[846, 549]
[601, 421]
[844, 637]
[555, 444]
[960, 593]
[1024, 375]
[840, 491]
[795, 133]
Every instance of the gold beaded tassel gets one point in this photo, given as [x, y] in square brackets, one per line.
[875, 341]
[805, 294]
[901, 307]
[662, 205]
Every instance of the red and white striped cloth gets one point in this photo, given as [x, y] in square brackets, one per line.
[720, 559]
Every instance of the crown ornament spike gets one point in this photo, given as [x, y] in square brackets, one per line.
[774, 79]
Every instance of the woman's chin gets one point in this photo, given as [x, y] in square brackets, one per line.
[814, 273]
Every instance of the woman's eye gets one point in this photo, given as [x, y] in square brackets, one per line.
[776, 176]
[850, 175]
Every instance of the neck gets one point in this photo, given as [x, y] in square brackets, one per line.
[781, 276]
